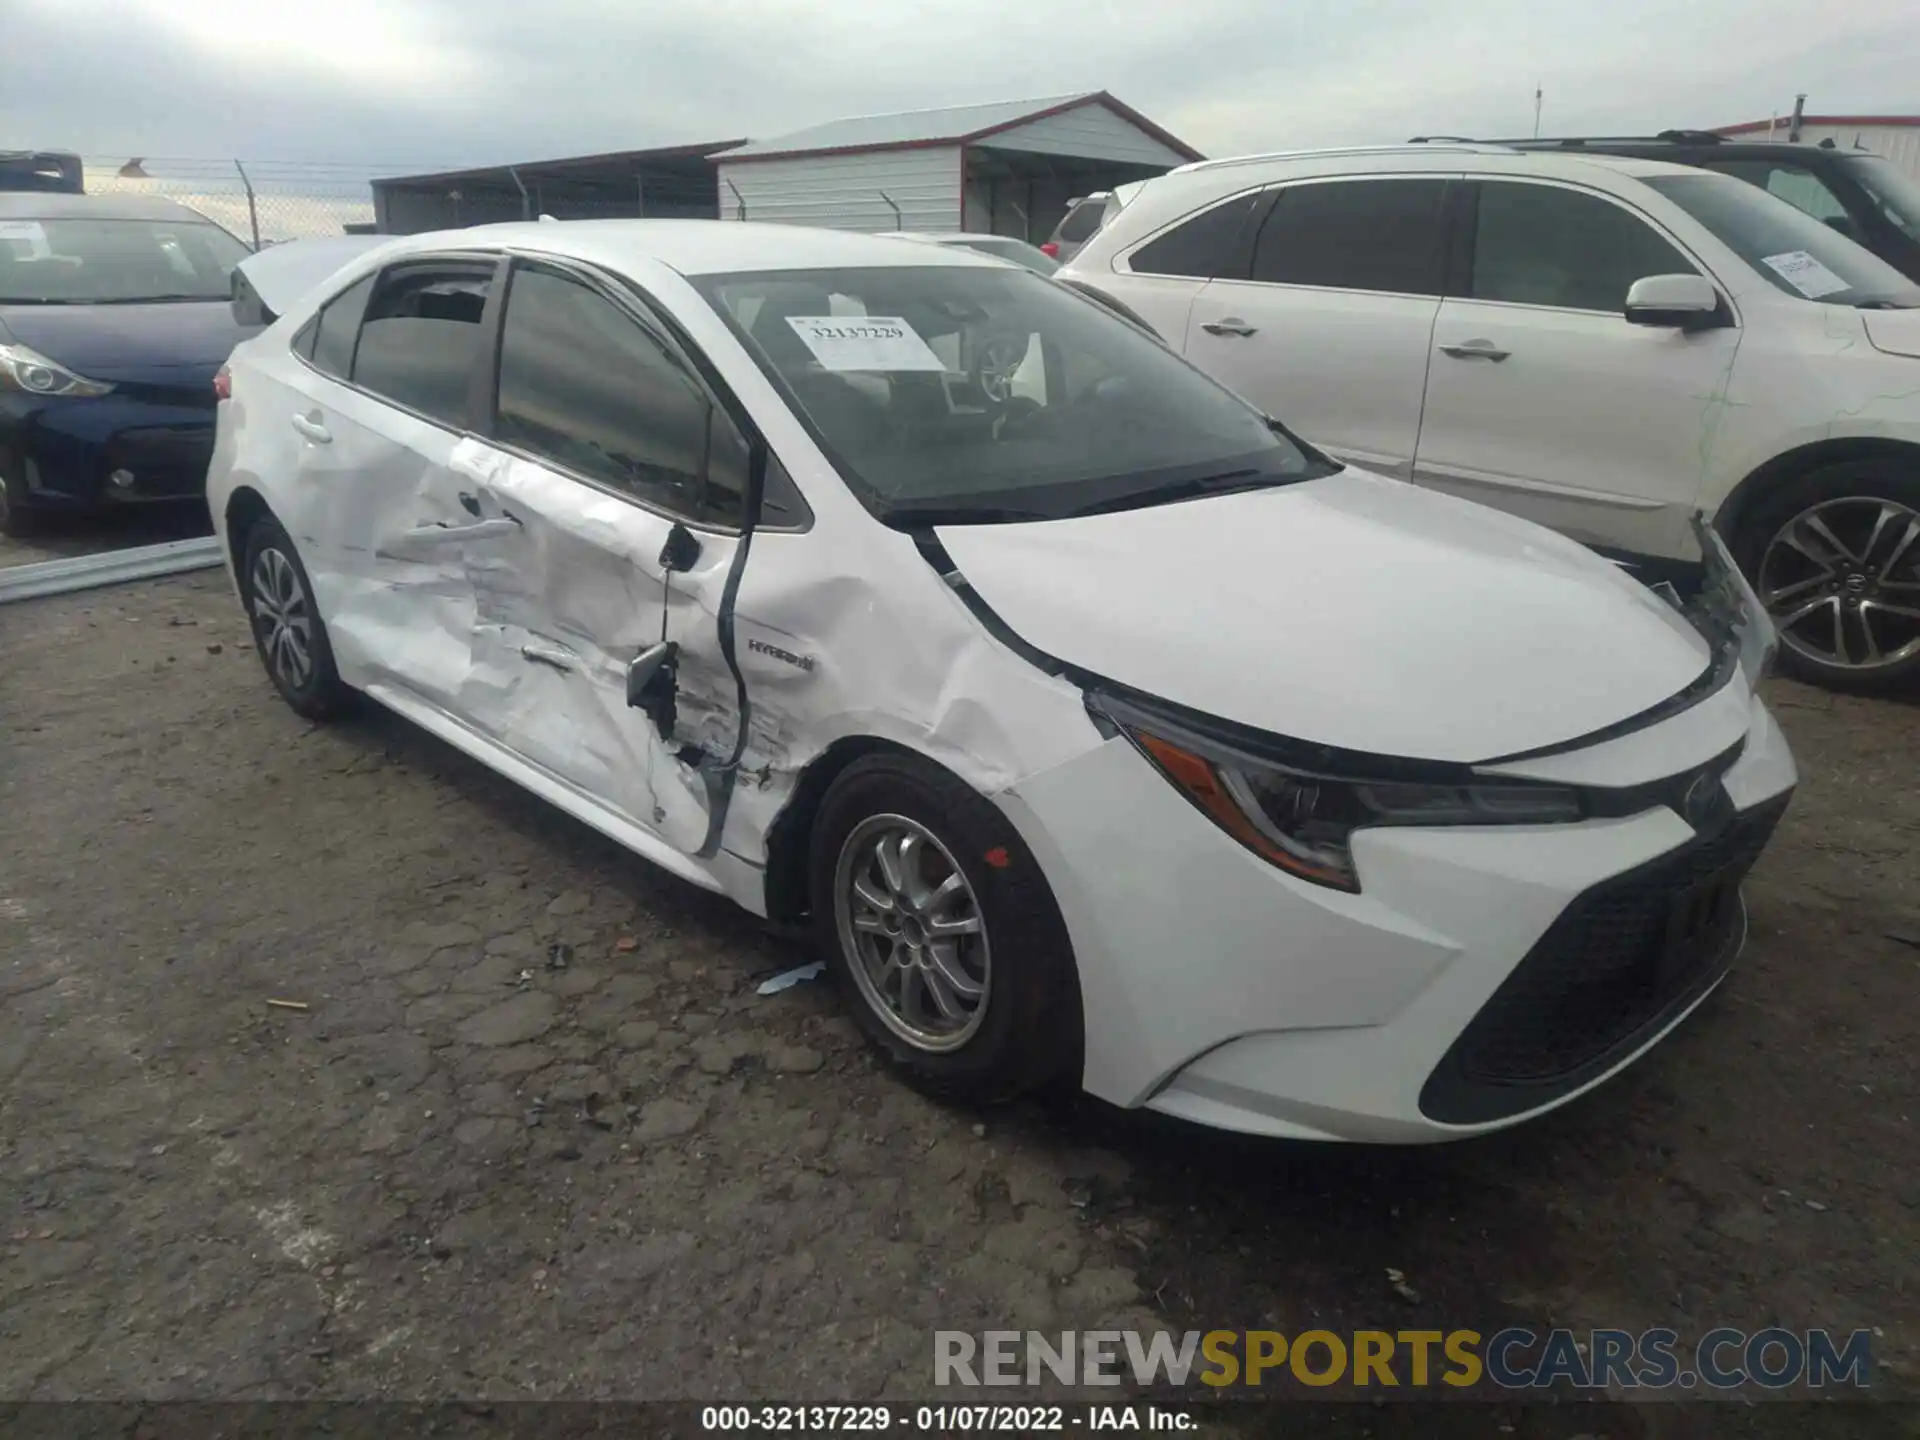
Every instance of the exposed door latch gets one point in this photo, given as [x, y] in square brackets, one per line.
[652, 680]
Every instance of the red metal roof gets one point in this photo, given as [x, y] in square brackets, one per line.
[1747, 127]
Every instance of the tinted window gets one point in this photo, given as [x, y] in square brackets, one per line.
[1354, 235]
[1779, 241]
[421, 333]
[335, 328]
[1541, 245]
[1202, 247]
[986, 393]
[583, 385]
[1894, 192]
[1795, 184]
[1082, 221]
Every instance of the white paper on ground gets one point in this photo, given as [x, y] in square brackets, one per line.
[869, 342]
[787, 979]
[1804, 273]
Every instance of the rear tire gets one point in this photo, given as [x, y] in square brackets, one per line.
[1841, 544]
[968, 907]
[288, 632]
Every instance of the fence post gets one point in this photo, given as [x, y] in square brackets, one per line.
[893, 207]
[739, 199]
[526, 205]
[253, 213]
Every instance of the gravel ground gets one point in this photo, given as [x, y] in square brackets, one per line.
[534, 1134]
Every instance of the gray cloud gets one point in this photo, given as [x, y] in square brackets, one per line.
[398, 83]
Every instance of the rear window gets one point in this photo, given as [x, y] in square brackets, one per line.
[1206, 246]
[1082, 221]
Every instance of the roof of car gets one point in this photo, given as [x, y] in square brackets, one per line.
[700, 247]
[55, 205]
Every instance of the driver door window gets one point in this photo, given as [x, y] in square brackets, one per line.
[1546, 245]
[583, 386]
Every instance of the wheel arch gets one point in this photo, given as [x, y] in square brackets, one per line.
[790, 836]
[246, 507]
[1745, 497]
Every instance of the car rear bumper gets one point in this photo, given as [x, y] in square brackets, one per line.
[111, 450]
[1482, 976]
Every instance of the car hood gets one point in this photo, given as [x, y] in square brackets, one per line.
[1353, 611]
[106, 342]
[1896, 332]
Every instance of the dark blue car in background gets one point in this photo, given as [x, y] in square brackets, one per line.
[115, 315]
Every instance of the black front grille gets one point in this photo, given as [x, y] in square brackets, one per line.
[1617, 963]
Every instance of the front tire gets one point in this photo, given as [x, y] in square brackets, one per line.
[17, 521]
[942, 932]
[288, 632]
[1835, 556]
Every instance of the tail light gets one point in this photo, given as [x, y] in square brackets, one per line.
[223, 384]
[1051, 250]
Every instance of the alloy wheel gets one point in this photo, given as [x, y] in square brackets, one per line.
[913, 933]
[1842, 582]
[283, 618]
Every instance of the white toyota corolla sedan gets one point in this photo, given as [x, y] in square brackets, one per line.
[1104, 729]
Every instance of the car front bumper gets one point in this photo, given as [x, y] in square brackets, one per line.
[1482, 976]
[83, 453]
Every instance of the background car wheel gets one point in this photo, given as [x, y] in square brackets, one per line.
[16, 520]
[942, 932]
[1835, 554]
[287, 629]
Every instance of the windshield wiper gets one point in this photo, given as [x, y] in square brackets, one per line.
[946, 513]
[153, 299]
[1226, 483]
[1884, 304]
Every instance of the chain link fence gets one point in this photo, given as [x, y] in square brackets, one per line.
[263, 202]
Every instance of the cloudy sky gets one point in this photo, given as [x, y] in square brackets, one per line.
[403, 84]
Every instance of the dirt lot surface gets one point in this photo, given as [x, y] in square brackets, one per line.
[535, 1134]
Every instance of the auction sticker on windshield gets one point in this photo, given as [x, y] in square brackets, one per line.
[869, 342]
[1804, 273]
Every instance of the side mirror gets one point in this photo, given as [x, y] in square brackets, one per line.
[1687, 301]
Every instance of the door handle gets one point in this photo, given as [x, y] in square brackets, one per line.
[312, 429]
[552, 656]
[1231, 325]
[1476, 350]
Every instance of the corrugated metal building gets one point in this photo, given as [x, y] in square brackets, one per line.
[1007, 168]
[675, 181]
[1897, 137]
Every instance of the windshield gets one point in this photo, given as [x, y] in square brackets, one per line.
[974, 393]
[1895, 192]
[108, 262]
[1017, 251]
[1791, 249]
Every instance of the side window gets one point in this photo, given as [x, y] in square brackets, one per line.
[334, 328]
[1543, 245]
[1355, 235]
[585, 386]
[419, 338]
[1795, 184]
[1202, 247]
[302, 344]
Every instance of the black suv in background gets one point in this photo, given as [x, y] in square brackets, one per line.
[1864, 196]
[56, 170]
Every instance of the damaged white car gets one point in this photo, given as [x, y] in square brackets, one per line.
[1104, 730]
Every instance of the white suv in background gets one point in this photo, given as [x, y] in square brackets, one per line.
[1603, 345]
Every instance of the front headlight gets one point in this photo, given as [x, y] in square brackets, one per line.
[1728, 602]
[34, 374]
[1301, 817]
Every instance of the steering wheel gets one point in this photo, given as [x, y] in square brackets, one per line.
[996, 362]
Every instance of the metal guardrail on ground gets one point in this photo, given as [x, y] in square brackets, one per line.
[89, 572]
